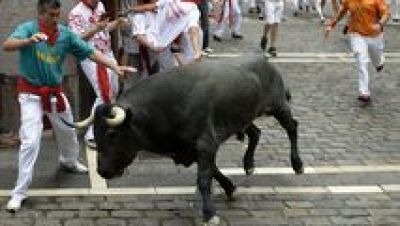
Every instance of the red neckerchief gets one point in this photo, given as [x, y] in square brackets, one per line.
[45, 93]
[51, 32]
[86, 3]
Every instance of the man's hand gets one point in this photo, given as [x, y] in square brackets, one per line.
[123, 22]
[101, 25]
[124, 71]
[38, 37]
[377, 27]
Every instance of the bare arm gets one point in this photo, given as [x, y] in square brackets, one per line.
[13, 44]
[384, 12]
[143, 8]
[339, 15]
[342, 11]
[87, 35]
[100, 58]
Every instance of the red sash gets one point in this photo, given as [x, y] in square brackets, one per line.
[45, 93]
[104, 83]
[230, 12]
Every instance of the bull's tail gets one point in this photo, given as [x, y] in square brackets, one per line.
[288, 95]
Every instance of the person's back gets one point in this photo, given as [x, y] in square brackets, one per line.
[364, 14]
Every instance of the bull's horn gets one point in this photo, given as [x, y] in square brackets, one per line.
[82, 124]
[119, 116]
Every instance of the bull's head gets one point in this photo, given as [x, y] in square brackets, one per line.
[115, 140]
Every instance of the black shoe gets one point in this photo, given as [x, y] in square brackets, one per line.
[380, 68]
[272, 51]
[396, 20]
[345, 30]
[91, 143]
[237, 36]
[264, 42]
[364, 99]
[216, 38]
[176, 49]
[258, 9]
[295, 14]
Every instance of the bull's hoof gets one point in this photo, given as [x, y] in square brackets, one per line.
[248, 166]
[230, 194]
[249, 171]
[298, 168]
[214, 221]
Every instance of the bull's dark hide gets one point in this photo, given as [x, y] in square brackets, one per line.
[187, 112]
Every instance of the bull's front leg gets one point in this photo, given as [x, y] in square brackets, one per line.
[206, 153]
[284, 116]
[254, 135]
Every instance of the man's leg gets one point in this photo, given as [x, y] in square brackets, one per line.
[204, 24]
[375, 48]
[360, 48]
[395, 11]
[237, 20]
[220, 28]
[30, 134]
[66, 139]
[90, 70]
[194, 35]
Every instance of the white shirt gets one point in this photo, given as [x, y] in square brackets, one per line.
[82, 18]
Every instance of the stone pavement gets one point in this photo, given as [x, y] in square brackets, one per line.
[352, 154]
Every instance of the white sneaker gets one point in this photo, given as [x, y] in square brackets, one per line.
[208, 50]
[77, 167]
[14, 204]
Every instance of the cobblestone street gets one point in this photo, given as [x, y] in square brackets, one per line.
[351, 153]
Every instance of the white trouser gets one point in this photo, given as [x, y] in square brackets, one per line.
[252, 4]
[395, 9]
[90, 69]
[318, 7]
[31, 133]
[236, 18]
[364, 49]
[297, 3]
[165, 59]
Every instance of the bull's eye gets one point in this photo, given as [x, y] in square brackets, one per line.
[111, 134]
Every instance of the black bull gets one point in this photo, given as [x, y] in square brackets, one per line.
[187, 113]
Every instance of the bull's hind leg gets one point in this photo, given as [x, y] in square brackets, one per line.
[284, 117]
[225, 183]
[206, 153]
[254, 135]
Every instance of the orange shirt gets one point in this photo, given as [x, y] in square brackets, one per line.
[364, 14]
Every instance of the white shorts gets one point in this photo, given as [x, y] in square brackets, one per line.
[273, 11]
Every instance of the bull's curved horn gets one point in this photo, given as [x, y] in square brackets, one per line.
[119, 116]
[82, 124]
